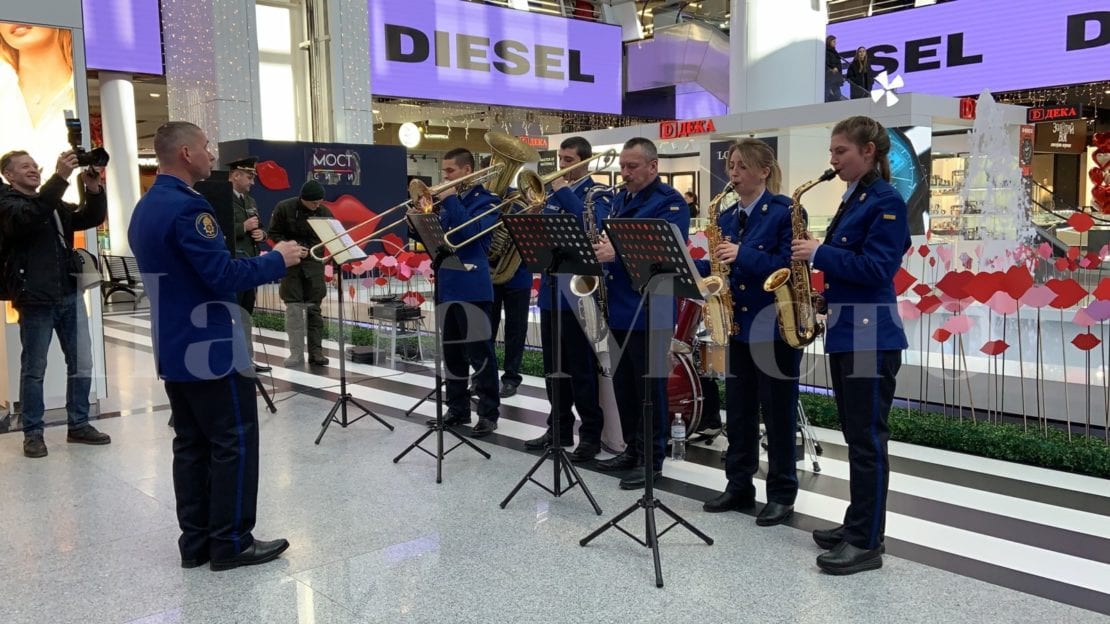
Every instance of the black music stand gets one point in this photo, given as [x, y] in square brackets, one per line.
[341, 249]
[554, 245]
[653, 253]
[430, 231]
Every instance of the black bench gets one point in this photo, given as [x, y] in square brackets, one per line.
[122, 275]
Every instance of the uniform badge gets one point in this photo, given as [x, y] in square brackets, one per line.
[764, 207]
[206, 225]
[890, 217]
[675, 208]
[862, 196]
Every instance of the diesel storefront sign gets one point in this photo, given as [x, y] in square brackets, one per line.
[437, 49]
[962, 48]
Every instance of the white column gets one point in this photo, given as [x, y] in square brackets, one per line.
[803, 156]
[117, 106]
[776, 54]
[212, 67]
[352, 103]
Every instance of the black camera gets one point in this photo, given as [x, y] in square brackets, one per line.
[92, 158]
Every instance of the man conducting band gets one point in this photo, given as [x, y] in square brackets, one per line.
[579, 363]
[248, 235]
[644, 197]
[465, 300]
[192, 281]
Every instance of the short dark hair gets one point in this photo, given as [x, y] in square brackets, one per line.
[6, 159]
[580, 146]
[462, 157]
[171, 135]
[645, 145]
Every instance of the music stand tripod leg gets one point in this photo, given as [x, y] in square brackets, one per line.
[265, 395]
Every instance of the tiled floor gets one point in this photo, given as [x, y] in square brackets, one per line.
[90, 531]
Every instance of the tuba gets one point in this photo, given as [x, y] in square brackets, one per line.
[717, 313]
[503, 256]
[504, 259]
[795, 300]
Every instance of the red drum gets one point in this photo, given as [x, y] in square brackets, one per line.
[712, 360]
[684, 395]
[689, 316]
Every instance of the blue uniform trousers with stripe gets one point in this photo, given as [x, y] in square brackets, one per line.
[863, 382]
[215, 464]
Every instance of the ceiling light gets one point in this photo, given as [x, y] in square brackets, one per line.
[158, 95]
[376, 111]
[409, 134]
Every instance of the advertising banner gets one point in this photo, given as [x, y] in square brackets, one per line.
[123, 36]
[961, 48]
[492, 55]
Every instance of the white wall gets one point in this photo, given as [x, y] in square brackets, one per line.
[777, 54]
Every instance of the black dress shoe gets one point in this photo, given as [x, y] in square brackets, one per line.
[450, 421]
[585, 452]
[773, 513]
[729, 501]
[544, 441]
[636, 481]
[484, 427]
[508, 389]
[262, 368]
[845, 558]
[258, 552]
[194, 562]
[624, 461]
[829, 538]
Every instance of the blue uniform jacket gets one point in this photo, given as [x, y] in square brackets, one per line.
[570, 201]
[656, 201]
[764, 248]
[192, 280]
[476, 285]
[860, 256]
[523, 277]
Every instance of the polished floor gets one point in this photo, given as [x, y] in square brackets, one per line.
[89, 532]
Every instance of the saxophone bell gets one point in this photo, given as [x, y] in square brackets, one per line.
[583, 285]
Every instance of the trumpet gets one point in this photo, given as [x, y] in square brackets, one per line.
[421, 197]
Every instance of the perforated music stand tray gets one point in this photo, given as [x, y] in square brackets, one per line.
[653, 252]
[554, 244]
[430, 232]
[341, 249]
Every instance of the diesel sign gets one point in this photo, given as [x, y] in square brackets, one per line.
[470, 52]
[409, 45]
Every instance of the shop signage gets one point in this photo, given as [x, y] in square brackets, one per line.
[1025, 150]
[538, 142]
[1068, 137]
[549, 162]
[954, 48]
[679, 129]
[469, 52]
[718, 166]
[123, 36]
[1038, 114]
[967, 108]
[333, 167]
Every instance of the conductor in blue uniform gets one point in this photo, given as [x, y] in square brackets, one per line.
[579, 388]
[466, 299]
[202, 354]
[644, 197]
[864, 339]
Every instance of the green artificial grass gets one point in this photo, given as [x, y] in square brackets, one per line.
[1035, 447]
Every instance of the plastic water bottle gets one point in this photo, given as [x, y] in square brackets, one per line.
[678, 439]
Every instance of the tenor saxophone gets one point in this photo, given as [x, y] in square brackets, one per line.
[795, 300]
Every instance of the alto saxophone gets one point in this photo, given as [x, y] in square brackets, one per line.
[593, 307]
[795, 300]
[717, 313]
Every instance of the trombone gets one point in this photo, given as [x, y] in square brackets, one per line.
[421, 198]
[531, 194]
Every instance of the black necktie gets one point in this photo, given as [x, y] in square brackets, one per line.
[741, 222]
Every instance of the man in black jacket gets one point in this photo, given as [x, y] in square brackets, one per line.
[38, 276]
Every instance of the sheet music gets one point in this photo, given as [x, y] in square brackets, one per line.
[340, 245]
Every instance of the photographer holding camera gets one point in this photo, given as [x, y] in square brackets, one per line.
[38, 276]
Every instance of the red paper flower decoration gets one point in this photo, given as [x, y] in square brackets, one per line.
[954, 284]
[1081, 222]
[983, 285]
[922, 289]
[994, 347]
[941, 334]
[1085, 342]
[903, 279]
[1068, 293]
[412, 298]
[1102, 291]
[272, 176]
[923, 250]
[929, 304]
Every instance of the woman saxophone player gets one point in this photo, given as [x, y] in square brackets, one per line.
[860, 255]
[763, 369]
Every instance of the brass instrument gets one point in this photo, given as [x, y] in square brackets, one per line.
[421, 197]
[593, 306]
[717, 313]
[795, 300]
[504, 259]
[509, 154]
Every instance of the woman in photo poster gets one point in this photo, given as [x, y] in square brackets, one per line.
[36, 87]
